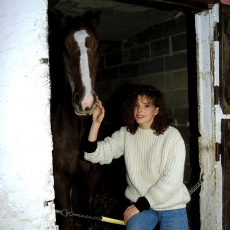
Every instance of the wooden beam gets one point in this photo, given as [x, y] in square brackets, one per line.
[52, 3]
[190, 5]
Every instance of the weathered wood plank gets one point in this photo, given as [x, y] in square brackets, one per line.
[225, 141]
[52, 3]
[191, 5]
[225, 58]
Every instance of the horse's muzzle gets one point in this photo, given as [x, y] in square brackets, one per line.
[85, 106]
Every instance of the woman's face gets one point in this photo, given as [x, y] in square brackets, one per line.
[144, 111]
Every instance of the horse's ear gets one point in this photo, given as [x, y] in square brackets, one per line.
[60, 17]
[92, 18]
[95, 20]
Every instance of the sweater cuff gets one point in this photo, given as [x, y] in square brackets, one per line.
[142, 204]
[90, 147]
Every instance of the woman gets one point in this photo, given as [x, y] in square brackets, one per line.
[154, 154]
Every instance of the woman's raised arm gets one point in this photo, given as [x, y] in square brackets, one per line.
[97, 116]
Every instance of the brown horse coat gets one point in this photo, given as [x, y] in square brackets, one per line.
[73, 69]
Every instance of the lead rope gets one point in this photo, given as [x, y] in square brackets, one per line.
[65, 212]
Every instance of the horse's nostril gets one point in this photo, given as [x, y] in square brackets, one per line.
[87, 109]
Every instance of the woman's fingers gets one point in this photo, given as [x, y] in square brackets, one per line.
[99, 103]
[99, 111]
[127, 215]
[129, 212]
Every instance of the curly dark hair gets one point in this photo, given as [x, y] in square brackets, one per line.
[161, 121]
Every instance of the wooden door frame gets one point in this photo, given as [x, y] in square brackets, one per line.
[208, 119]
[224, 31]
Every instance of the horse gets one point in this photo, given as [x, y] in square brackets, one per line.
[73, 60]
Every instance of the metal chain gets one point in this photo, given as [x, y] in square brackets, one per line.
[65, 213]
[195, 187]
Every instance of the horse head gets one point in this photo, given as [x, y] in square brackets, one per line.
[80, 45]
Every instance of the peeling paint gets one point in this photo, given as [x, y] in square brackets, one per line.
[207, 59]
[26, 178]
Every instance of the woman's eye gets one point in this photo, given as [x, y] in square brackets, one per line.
[146, 106]
[135, 105]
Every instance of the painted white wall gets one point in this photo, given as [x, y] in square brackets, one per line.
[210, 116]
[26, 179]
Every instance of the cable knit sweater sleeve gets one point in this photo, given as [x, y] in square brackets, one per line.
[172, 175]
[108, 149]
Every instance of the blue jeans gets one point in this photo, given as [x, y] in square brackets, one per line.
[169, 220]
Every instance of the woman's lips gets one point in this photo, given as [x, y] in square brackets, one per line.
[140, 116]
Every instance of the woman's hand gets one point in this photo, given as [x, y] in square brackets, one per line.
[97, 116]
[129, 212]
[98, 112]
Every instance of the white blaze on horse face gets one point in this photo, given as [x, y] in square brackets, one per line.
[80, 37]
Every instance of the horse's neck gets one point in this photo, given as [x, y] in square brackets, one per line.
[62, 112]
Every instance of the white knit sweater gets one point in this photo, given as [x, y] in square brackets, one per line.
[154, 165]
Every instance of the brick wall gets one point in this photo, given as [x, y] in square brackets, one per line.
[156, 56]
[162, 56]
